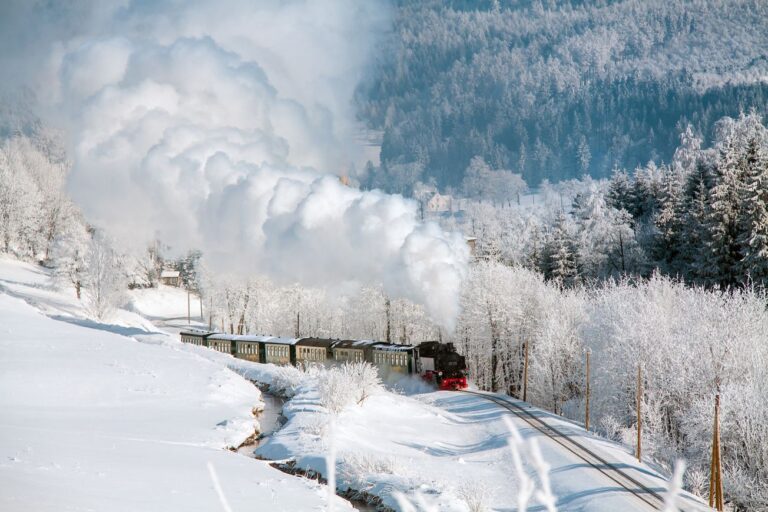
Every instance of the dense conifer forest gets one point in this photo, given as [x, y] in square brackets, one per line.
[553, 90]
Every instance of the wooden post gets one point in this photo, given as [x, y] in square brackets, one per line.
[639, 452]
[586, 413]
[525, 374]
[388, 307]
[716, 469]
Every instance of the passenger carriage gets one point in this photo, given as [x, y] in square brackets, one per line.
[221, 342]
[280, 350]
[249, 348]
[195, 337]
[393, 358]
[352, 351]
[314, 350]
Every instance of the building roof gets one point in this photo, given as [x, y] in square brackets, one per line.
[169, 273]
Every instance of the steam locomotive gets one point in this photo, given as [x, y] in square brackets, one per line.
[435, 362]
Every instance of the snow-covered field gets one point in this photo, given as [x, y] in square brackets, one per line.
[94, 420]
[123, 416]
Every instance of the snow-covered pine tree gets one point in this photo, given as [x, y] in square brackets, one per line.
[695, 207]
[670, 222]
[720, 259]
[620, 190]
[560, 260]
[753, 239]
[646, 192]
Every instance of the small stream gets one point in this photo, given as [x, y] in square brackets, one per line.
[270, 420]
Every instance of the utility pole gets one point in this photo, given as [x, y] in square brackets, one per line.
[189, 310]
[639, 453]
[200, 296]
[586, 414]
[716, 469]
[210, 314]
[525, 374]
[388, 308]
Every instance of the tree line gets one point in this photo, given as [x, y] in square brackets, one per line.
[556, 89]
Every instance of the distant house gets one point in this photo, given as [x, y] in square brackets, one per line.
[439, 203]
[170, 277]
[472, 243]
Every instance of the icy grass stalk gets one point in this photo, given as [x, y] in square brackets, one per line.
[544, 494]
[330, 461]
[674, 488]
[526, 485]
[219, 492]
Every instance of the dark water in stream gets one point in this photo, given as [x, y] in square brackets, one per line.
[270, 420]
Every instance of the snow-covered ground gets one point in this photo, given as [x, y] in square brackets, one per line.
[122, 416]
[94, 420]
[448, 447]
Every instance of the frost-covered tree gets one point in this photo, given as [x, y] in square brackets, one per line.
[70, 255]
[721, 251]
[753, 239]
[103, 278]
[560, 256]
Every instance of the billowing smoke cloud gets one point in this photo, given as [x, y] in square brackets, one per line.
[220, 125]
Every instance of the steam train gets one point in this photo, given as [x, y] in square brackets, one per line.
[435, 362]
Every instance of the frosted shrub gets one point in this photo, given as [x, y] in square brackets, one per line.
[610, 427]
[286, 380]
[351, 383]
[476, 495]
[359, 465]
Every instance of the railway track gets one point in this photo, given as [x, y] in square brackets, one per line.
[642, 492]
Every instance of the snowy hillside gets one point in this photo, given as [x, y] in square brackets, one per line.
[94, 420]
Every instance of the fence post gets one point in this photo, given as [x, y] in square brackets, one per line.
[639, 386]
[525, 374]
[586, 413]
[716, 469]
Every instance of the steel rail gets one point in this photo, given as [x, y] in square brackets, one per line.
[628, 482]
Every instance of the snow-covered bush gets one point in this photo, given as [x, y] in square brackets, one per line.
[286, 380]
[476, 495]
[359, 464]
[348, 384]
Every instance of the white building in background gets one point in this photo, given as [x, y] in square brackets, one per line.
[439, 203]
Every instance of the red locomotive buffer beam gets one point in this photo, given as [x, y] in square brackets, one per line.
[453, 383]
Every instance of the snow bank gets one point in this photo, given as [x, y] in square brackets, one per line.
[94, 420]
[164, 302]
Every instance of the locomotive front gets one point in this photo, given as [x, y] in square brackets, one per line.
[441, 364]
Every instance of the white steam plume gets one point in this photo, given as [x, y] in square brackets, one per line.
[211, 125]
